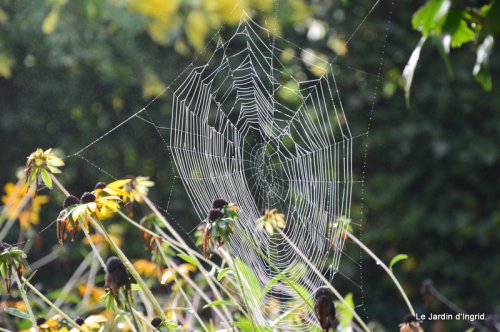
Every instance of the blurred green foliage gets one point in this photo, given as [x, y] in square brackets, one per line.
[70, 71]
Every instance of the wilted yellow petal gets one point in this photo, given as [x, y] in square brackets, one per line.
[269, 228]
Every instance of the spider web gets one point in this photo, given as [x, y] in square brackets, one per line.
[232, 138]
[245, 128]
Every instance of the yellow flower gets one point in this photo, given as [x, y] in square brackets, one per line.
[113, 189]
[270, 220]
[94, 291]
[92, 322]
[146, 268]
[99, 238]
[19, 204]
[137, 188]
[87, 206]
[42, 163]
[90, 205]
[168, 274]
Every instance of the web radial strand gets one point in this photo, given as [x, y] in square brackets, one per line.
[234, 136]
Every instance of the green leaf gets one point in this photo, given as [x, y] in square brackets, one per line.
[345, 317]
[270, 285]
[3, 270]
[410, 68]
[222, 225]
[462, 35]
[246, 326]
[46, 178]
[429, 17]
[249, 278]
[221, 302]
[455, 30]
[481, 69]
[302, 292]
[135, 287]
[17, 313]
[223, 272]
[190, 259]
[396, 259]
[109, 301]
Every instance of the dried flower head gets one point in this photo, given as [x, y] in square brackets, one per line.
[214, 214]
[324, 308]
[410, 324]
[64, 224]
[156, 322]
[218, 203]
[117, 277]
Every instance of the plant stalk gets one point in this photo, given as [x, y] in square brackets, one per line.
[131, 269]
[52, 305]
[389, 272]
[25, 299]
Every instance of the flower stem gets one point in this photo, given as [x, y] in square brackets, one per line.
[163, 220]
[240, 284]
[389, 272]
[58, 184]
[184, 293]
[25, 299]
[94, 248]
[52, 305]
[130, 268]
[326, 282]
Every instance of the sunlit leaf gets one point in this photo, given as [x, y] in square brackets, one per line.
[189, 259]
[46, 178]
[410, 68]
[481, 69]
[223, 272]
[216, 303]
[345, 313]
[302, 292]
[428, 17]
[463, 34]
[249, 278]
[396, 259]
[455, 30]
[270, 285]
[17, 313]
